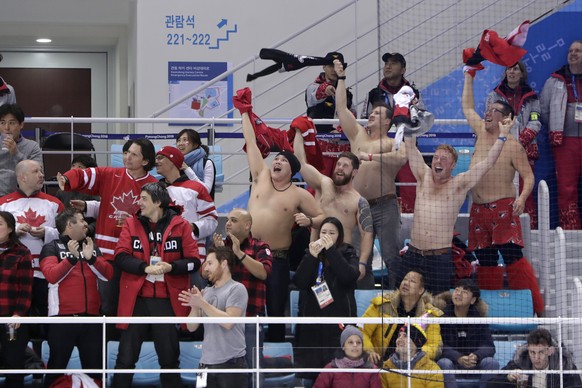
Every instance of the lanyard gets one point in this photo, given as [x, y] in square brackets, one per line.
[574, 87]
[319, 274]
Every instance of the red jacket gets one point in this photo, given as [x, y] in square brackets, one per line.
[73, 283]
[132, 256]
[348, 379]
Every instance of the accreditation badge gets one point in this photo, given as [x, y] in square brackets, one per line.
[322, 294]
[578, 114]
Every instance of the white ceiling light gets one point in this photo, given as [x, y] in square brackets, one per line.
[44, 40]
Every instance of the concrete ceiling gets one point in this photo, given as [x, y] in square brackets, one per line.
[71, 24]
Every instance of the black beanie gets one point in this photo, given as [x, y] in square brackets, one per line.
[293, 161]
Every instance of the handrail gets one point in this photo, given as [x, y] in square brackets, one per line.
[544, 240]
[560, 268]
[249, 60]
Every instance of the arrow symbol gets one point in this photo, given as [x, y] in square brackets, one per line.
[222, 23]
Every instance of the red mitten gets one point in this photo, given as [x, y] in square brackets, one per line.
[243, 100]
[526, 136]
[532, 151]
[556, 138]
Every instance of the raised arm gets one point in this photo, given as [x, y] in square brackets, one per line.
[346, 117]
[471, 177]
[468, 103]
[308, 172]
[415, 159]
[256, 161]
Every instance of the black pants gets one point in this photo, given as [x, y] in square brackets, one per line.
[166, 342]
[62, 338]
[277, 292]
[12, 355]
[227, 380]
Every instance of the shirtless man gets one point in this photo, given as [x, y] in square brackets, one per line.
[439, 197]
[375, 179]
[275, 204]
[338, 198]
[494, 220]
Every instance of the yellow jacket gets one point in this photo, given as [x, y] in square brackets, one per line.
[395, 380]
[388, 304]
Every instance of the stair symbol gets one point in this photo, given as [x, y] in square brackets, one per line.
[225, 39]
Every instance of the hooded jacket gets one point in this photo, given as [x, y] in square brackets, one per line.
[462, 339]
[420, 361]
[378, 336]
[133, 252]
[522, 361]
[554, 100]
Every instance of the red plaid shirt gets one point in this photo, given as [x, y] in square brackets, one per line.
[15, 281]
[257, 288]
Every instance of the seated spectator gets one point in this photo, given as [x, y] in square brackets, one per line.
[326, 277]
[351, 356]
[410, 351]
[466, 346]
[539, 353]
[13, 147]
[410, 300]
[197, 166]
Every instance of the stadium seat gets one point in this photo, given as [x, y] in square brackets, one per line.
[190, 353]
[364, 298]
[293, 307]
[509, 304]
[279, 349]
[148, 359]
[216, 156]
[504, 350]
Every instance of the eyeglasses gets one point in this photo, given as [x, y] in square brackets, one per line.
[491, 109]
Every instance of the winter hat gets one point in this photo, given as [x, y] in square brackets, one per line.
[348, 332]
[417, 334]
[174, 154]
[293, 161]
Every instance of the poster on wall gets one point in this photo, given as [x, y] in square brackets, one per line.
[214, 101]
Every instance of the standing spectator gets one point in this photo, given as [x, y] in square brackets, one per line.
[7, 94]
[561, 101]
[15, 297]
[351, 356]
[192, 196]
[72, 264]
[541, 352]
[375, 179]
[224, 343]
[339, 199]
[409, 352]
[14, 148]
[320, 95]
[252, 269]
[197, 166]
[410, 300]
[514, 90]
[276, 205]
[35, 214]
[119, 188]
[326, 277]
[494, 225]
[466, 346]
[394, 70]
[156, 252]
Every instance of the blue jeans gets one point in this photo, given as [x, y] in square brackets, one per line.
[386, 220]
[488, 363]
[277, 293]
[438, 270]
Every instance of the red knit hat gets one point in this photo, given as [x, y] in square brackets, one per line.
[174, 154]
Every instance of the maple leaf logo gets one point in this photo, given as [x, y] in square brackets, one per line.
[31, 218]
[127, 202]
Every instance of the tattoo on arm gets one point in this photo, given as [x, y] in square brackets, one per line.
[365, 215]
